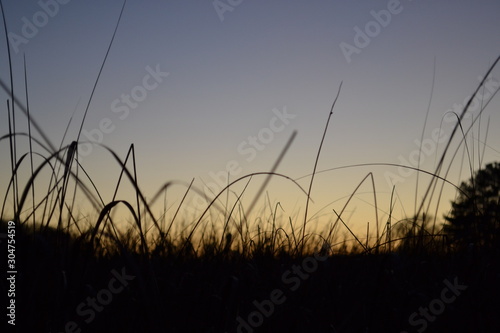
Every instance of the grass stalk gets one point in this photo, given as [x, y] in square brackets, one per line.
[316, 165]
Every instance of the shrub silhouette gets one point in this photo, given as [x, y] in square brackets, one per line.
[475, 214]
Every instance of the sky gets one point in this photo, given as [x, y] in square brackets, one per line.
[203, 88]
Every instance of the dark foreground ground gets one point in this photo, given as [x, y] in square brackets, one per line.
[65, 286]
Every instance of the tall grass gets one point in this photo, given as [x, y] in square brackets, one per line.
[65, 170]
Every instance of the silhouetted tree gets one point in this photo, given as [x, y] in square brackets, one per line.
[475, 214]
[418, 233]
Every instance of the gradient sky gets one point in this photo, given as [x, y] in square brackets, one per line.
[228, 71]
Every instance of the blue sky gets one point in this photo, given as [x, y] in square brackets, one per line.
[233, 68]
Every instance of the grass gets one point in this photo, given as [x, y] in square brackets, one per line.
[206, 273]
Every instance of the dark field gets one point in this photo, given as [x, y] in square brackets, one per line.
[67, 285]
